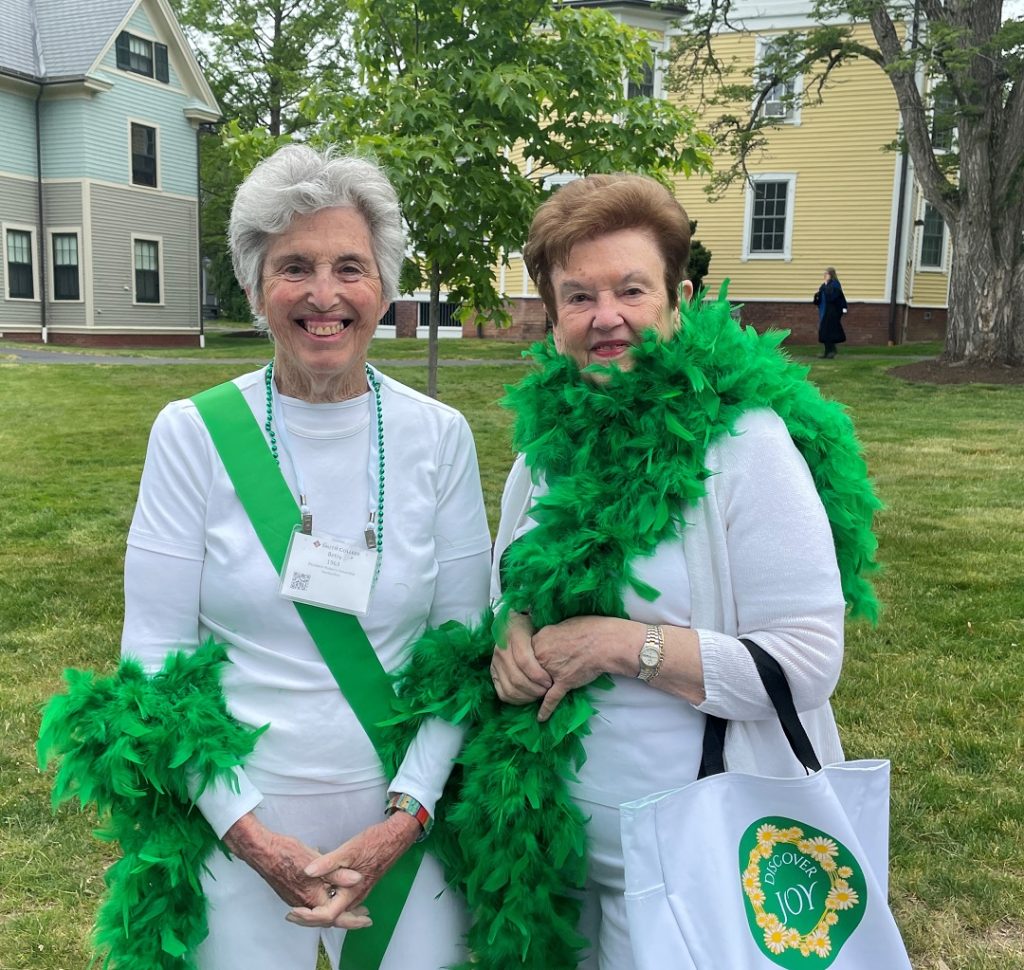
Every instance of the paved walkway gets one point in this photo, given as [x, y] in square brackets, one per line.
[22, 355]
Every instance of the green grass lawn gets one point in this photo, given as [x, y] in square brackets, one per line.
[936, 687]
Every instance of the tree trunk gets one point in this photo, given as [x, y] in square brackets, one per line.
[435, 319]
[986, 293]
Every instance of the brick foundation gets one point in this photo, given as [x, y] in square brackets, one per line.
[866, 324]
[120, 340]
[529, 323]
[923, 323]
[407, 317]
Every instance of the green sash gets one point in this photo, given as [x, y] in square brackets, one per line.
[272, 510]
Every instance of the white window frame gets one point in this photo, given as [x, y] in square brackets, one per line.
[748, 214]
[792, 117]
[658, 51]
[51, 263]
[34, 250]
[159, 166]
[159, 240]
[558, 179]
[954, 132]
[943, 261]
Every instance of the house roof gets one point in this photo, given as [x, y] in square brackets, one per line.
[55, 39]
[654, 6]
[65, 40]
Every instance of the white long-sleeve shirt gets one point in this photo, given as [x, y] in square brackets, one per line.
[194, 569]
[756, 560]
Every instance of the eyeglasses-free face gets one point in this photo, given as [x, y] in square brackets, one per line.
[611, 289]
[321, 294]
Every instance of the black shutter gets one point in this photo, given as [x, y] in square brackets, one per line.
[124, 57]
[160, 61]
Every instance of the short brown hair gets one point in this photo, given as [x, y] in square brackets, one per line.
[598, 204]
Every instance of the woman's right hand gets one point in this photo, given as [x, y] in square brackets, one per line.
[280, 860]
[517, 675]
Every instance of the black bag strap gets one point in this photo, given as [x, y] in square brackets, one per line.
[775, 683]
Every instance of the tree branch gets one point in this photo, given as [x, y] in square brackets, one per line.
[1010, 158]
[902, 75]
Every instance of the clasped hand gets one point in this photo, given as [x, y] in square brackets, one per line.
[369, 855]
[549, 662]
[324, 890]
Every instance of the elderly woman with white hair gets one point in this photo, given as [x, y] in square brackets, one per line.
[383, 533]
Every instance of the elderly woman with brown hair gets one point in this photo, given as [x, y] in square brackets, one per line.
[660, 510]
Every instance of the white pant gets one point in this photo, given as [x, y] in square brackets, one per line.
[246, 917]
[603, 921]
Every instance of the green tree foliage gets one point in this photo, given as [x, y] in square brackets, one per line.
[974, 111]
[452, 97]
[260, 58]
[700, 260]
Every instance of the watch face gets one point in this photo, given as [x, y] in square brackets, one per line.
[649, 655]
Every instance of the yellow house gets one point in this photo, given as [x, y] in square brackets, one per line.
[824, 193]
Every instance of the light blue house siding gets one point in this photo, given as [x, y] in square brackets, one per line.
[90, 136]
[17, 134]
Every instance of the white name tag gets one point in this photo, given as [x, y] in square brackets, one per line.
[334, 573]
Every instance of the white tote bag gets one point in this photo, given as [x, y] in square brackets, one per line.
[743, 872]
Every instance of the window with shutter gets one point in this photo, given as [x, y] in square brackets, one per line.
[141, 56]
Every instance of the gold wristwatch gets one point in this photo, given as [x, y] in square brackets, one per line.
[652, 653]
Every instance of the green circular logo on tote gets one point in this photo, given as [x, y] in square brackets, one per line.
[804, 892]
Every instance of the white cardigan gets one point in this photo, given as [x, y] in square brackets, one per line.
[761, 564]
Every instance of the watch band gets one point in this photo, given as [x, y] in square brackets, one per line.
[654, 638]
[401, 802]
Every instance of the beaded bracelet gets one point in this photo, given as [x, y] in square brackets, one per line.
[406, 803]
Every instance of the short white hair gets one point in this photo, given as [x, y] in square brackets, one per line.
[298, 180]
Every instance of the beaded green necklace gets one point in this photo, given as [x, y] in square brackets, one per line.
[375, 527]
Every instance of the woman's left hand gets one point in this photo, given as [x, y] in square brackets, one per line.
[372, 852]
[580, 649]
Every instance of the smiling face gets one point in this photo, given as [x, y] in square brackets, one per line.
[322, 299]
[611, 289]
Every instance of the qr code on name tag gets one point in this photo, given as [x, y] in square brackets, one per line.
[300, 582]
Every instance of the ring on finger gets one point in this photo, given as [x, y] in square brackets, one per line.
[331, 892]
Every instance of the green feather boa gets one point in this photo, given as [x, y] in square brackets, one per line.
[621, 461]
[123, 742]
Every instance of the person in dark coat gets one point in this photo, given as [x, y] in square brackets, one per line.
[831, 304]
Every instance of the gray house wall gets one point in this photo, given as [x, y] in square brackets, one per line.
[170, 220]
[18, 204]
[62, 207]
